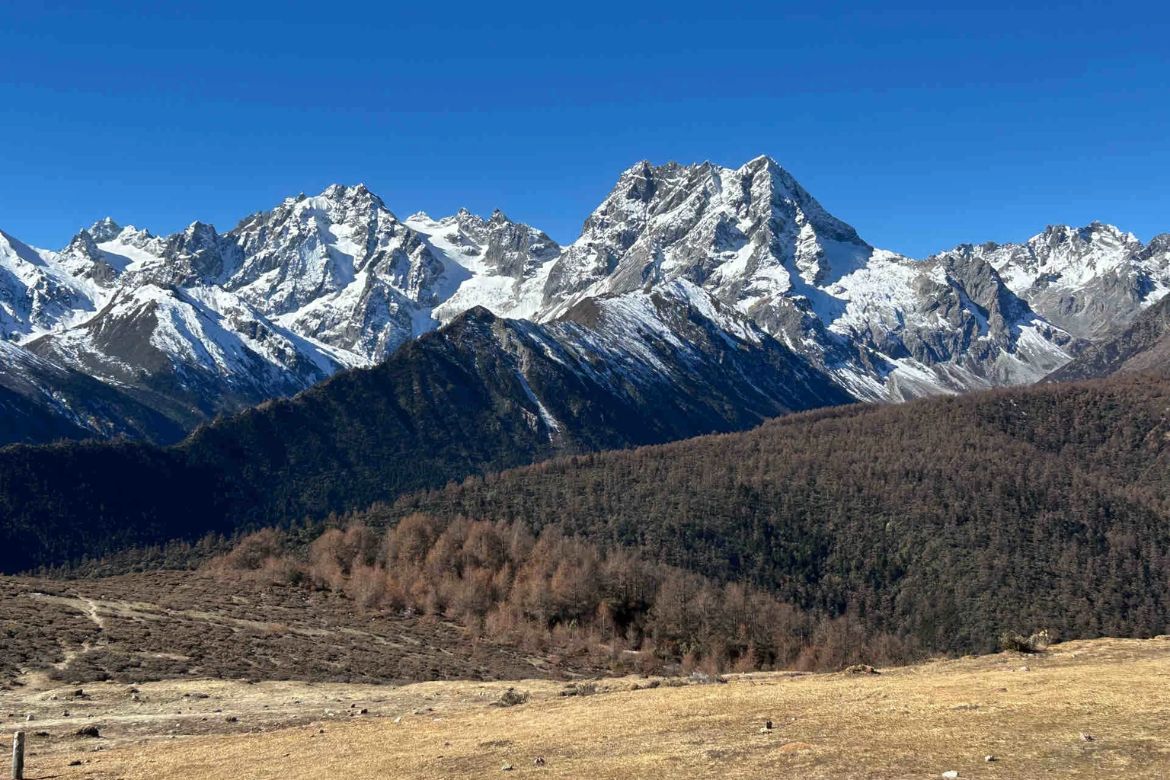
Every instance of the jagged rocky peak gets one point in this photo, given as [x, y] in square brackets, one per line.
[1095, 233]
[1059, 253]
[497, 245]
[787, 191]
[200, 233]
[1158, 247]
[337, 203]
[1155, 255]
[642, 181]
[799, 231]
[21, 261]
[514, 249]
[103, 252]
[750, 234]
[105, 229]
[82, 259]
[470, 223]
[83, 243]
[34, 296]
[353, 195]
[749, 190]
[128, 236]
[643, 190]
[1080, 253]
[338, 268]
[308, 247]
[195, 255]
[352, 205]
[1089, 280]
[198, 237]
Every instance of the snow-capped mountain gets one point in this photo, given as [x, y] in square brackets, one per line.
[504, 264]
[201, 322]
[38, 294]
[188, 352]
[887, 326]
[1089, 281]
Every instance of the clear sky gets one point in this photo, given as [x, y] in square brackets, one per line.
[922, 124]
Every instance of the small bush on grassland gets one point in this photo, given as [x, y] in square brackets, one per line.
[580, 689]
[1018, 643]
[511, 698]
[559, 596]
[1042, 639]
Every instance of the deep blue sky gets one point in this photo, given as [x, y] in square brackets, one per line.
[921, 126]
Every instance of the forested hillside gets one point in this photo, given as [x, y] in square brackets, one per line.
[482, 394]
[941, 521]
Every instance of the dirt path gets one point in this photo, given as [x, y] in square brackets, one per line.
[86, 606]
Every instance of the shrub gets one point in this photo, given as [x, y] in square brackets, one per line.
[580, 689]
[252, 552]
[511, 698]
[1018, 643]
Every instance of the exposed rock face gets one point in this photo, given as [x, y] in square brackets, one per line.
[1142, 347]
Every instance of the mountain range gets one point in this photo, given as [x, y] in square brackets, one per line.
[732, 292]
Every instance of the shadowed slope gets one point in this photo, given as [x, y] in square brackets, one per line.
[481, 394]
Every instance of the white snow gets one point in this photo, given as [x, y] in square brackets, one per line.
[550, 422]
[127, 257]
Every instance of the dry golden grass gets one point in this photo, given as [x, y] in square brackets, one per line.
[912, 722]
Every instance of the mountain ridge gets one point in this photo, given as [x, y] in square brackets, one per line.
[199, 323]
